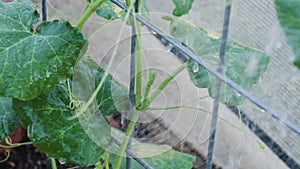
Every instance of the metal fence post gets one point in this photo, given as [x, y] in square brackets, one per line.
[214, 120]
[44, 10]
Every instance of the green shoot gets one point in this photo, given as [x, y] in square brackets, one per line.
[147, 101]
[106, 159]
[91, 8]
[53, 163]
[149, 83]
[125, 141]
[139, 62]
[6, 157]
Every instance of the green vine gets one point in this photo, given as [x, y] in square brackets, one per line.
[147, 101]
[53, 163]
[6, 157]
[138, 92]
[91, 8]
[126, 139]
[9, 143]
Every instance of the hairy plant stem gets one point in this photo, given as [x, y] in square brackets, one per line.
[53, 163]
[91, 8]
[139, 60]
[106, 159]
[138, 87]
[125, 141]
[139, 64]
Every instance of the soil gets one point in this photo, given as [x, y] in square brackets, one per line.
[29, 157]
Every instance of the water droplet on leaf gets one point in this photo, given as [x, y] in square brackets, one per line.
[48, 74]
[260, 79]
[195, 68]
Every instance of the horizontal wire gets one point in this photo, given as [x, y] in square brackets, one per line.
[224, 79]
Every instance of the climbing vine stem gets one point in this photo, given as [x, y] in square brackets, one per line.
[91, 8]
[126, 139]
[53, 163]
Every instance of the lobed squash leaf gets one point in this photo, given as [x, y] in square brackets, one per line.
[110, 11]
[243, 65]
[8, 120]
[289, 17]
[47, 119]
[182, 7]
[53, 125]
[33, 61]
[157, 156]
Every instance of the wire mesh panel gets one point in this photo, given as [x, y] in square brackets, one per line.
[255, 23]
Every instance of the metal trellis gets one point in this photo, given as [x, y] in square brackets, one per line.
[44, 10]
[220, 70]
[183, 53]
[132, 79]
[188, 53]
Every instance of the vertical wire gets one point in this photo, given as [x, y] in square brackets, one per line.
[220, 70]
[44, 10]
[132, 81]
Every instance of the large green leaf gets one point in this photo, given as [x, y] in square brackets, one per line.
[182, 7]
[110, 11]
[170, 159]
[157, 156]
[289, 17]
[33, 62]
[242, 64]
[8, 121]
[47, 119]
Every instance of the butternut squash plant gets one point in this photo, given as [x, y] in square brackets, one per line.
[40, 61]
